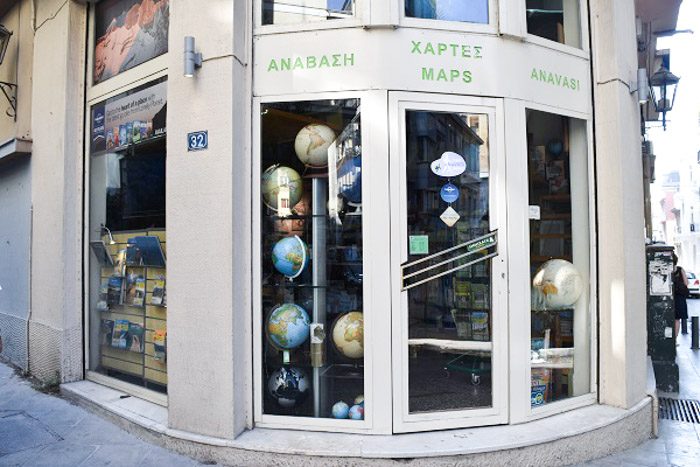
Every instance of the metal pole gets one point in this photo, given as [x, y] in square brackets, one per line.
[694, 344]
[318, 256]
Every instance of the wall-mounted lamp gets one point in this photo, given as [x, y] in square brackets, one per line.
[103, 229]
[193, 60]
[8, 89]
[664, 85]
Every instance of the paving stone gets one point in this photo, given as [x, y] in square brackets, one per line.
[21, 458]
[63, 455]
[18, 432]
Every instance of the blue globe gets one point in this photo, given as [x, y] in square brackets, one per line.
[340, 410]
[290, 256]
[289, 386]
[288, 326]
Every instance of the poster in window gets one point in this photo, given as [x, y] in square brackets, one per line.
[128, 33]
[129, 118]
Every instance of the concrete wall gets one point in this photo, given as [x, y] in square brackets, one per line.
[15, 231]
[208, 222]
[55, 325]
[17, 69]
[621, 259]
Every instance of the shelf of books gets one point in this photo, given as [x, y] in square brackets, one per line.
[133, 308]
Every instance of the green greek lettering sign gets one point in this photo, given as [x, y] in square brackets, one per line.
[311, 62]
[555, 79]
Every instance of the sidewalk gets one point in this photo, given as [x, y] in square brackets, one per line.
[678, 443]
[38, 429]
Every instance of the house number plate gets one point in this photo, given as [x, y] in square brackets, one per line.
[197, 140]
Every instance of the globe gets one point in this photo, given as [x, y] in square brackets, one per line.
[312, 143]
[348, 334]
[290, 256]
[289, 386]
[356, 412]
[340, 410]
[556, 285]
[288, 326]
[295, 226]
[278, 176]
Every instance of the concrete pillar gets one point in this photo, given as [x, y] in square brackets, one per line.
[55, 321]
[621, 254]
[209, 223]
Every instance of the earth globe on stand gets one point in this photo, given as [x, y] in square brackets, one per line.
[557, 285]
[311, 144]
[348, 335]
[288, 386]
[288, 326]
[290, 256]
[276, 177]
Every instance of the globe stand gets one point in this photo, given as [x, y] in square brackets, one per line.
[319, 188]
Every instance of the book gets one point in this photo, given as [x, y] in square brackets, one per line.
[135, 340]
[120, 263]
[107, 326]
[102, 304]
[145, 251]
[159, 345]
[120, 333]
[158, 296]
[114, 290]
[135, 289]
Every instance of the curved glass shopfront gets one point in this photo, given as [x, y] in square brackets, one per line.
[422, 236]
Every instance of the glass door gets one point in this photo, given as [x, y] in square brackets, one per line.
[448, 261]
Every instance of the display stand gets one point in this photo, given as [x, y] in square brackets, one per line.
[318, 258]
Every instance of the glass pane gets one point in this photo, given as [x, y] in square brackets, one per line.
[313, 325]
[303, 11]
[128, 33]
[559, 257]
[468, 11]
[556, 20]
[128, 338]
[449, 316]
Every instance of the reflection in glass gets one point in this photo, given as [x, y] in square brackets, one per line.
[556, 20]
[467, 11]
[449, 317]
[559, 256]
[303, 11]
[311, 238]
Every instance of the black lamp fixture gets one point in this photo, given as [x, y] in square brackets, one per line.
[8, 89]
[664, 85]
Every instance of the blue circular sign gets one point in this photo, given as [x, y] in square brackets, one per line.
[449, 193]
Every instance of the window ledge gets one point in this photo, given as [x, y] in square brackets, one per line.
[566, 434]
[15, 147]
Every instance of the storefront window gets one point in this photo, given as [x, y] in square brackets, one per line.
[128, 33]
[559, 257]
[128, 299]
[468, 11]
[312, 261]
[556, 20]
[450, 311]
[304, 11]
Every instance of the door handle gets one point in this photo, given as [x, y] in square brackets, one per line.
[486, 243]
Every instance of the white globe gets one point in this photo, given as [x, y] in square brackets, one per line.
[312, 143]
[557, 284]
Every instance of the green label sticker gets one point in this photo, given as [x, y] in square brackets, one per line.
[482, 244]
[418, 244]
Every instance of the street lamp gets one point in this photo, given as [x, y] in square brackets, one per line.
[664, 85]
[4, 41]
[8, 89]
